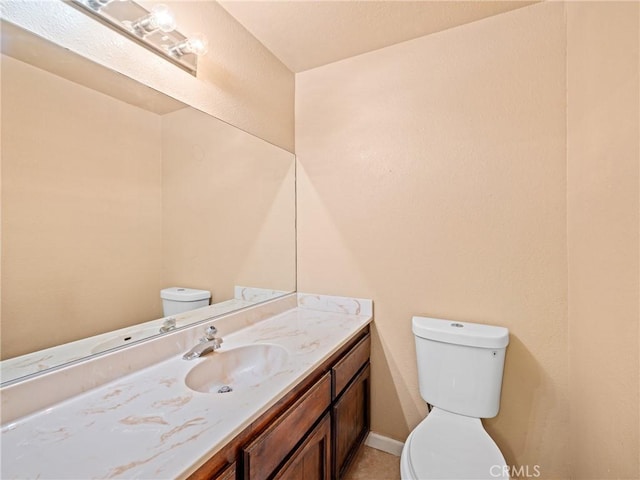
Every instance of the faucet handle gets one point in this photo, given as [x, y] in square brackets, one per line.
[211, 332]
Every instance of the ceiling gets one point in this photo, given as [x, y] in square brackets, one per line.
[305, 34]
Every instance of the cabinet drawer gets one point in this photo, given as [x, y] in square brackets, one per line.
[228, 473]
[264, 454]
[343, 371]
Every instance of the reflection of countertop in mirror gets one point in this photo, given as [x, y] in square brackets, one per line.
[149, 424]
[30, 363]
[35, 362]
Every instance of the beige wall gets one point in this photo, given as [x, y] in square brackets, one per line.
[251, 88]
[432, 178]
[239, 81]
[228, 210]
[602, 194]
[52, 237]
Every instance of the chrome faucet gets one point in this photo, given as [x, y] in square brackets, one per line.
[209, 343]
[168, 325]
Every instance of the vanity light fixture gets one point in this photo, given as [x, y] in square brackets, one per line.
[196, 44]
[155, 29]
[160, 18]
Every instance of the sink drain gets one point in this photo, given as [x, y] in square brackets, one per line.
[225, 389]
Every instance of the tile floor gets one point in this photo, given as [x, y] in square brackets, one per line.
[372, 464]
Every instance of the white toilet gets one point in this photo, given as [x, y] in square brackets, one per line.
[460, 368]
[177, 300]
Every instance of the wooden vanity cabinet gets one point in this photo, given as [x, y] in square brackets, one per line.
[312, 433]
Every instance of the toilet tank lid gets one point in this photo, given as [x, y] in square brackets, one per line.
[461, 333]
[180, 294]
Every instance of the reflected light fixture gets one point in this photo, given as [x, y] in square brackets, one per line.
[155, 29]
[97, 4]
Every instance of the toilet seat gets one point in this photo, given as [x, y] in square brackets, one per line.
[450, 446]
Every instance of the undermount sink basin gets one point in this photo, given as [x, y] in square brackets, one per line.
[126, 338]
[237, 369]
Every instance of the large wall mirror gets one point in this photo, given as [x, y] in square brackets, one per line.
[111, 192]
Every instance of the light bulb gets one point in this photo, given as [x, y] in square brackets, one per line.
[160, 18]
[196, 44]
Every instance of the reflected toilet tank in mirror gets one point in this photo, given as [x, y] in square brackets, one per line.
[112, 191]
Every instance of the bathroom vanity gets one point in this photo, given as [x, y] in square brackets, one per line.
[300, 414]
[313, 432]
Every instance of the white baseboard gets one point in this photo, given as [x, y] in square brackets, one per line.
[385, 444]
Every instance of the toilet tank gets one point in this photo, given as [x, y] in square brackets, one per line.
[177, 300]
[460, 365]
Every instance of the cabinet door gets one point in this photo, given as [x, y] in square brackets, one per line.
[312, 459]
[267, 451]
[350, 417]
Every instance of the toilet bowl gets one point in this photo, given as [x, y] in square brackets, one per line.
[460, 368]
[450, 446]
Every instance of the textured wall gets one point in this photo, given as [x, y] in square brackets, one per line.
[251, 89]
[432, 178]
[228, 215]
[603, 134]
[239, 81]
[75, 205]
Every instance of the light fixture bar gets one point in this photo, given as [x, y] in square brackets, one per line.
[153, 29]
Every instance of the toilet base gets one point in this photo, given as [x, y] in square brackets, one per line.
[406, 472]
[447, 446]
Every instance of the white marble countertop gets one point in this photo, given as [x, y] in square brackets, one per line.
[150, 425]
